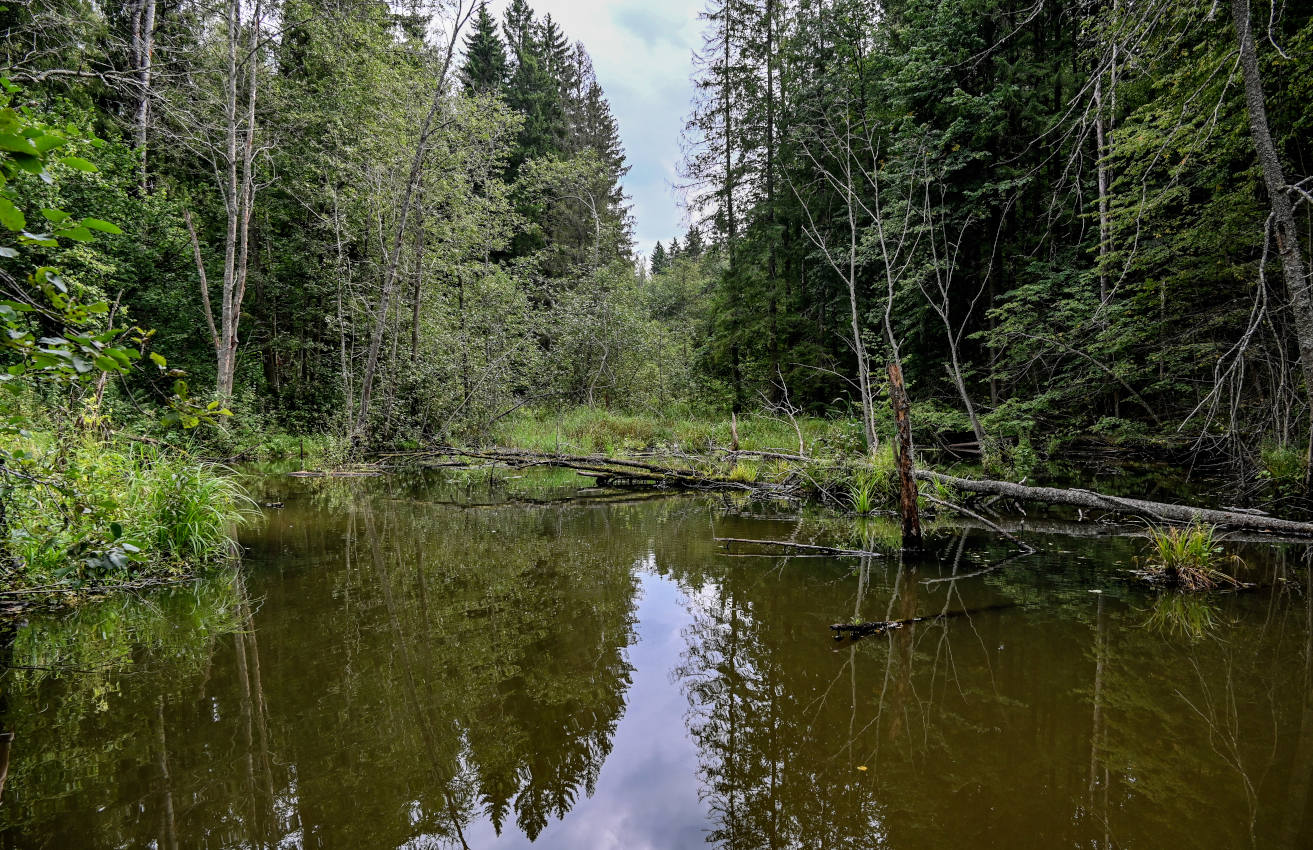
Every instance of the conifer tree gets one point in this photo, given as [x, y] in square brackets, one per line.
[693, 246]
[485, 69]
[532, 90]
[660, 262]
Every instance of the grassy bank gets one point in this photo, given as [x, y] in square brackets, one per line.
[837, 469]
[109, 511]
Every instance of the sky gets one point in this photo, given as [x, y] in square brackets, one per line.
[643, 55]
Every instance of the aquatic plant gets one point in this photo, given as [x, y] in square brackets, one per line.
[863, 495]
[1187, 557]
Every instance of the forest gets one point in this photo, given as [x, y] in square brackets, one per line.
[1012, 230]
[380, 468]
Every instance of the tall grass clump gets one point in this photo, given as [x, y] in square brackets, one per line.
[188, 511]
[1187, 557]
[745, 471]
[117, 512]
[873, 482]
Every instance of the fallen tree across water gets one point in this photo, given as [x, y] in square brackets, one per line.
[1088, 499]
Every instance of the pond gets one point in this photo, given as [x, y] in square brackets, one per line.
[458, 660]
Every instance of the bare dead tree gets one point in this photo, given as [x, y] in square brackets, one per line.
[845, 158]
[827, 145]
[1279, 191]
[211, 110]
[143, 57]
[940, 293]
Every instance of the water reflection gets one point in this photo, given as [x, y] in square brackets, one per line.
[412, 663]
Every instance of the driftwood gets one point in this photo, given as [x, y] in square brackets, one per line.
[830, 551]
[768, 455]
[316, 473]
[879, 626]
[1160, 511]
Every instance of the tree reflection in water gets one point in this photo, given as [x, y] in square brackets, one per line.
[1061, 722]
[394, 670]
[440, 664]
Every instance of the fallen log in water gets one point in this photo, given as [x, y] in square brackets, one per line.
[1088, 499]
[880, 626]
[804, 547]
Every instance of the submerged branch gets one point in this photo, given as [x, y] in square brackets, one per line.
[880, 626]
[805, 547]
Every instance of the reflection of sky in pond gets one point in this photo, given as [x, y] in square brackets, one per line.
[647, 793]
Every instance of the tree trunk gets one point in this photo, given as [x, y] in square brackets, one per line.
[1090, 500]
[239, 193]
[143, 50]
[955, 373]
[1283, 214]
[907, 490]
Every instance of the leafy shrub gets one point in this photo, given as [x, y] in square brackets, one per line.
[119, 513]
[1284, 467]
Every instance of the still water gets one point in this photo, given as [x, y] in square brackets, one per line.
[444, 660]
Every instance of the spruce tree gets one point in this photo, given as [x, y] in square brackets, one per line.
[693, 246]
[660, 262]
[532, 91]
[485, 69]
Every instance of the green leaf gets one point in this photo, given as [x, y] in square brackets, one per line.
[54, 216]
[10, 215]
[102, 226]
[158, 360]
[42, 239]
[16, 144]
[77, 234]
[30, 163]
[48, 142]
[79, 163]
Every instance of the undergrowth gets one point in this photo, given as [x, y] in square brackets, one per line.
[117, 511]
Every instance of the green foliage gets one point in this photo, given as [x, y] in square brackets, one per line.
[76, 507]
[745, 470]
[1284, 467]
[1187, 557]
[114, 513]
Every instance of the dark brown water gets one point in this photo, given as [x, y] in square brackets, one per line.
[393, 670]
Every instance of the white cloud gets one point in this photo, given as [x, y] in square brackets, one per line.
[642, 52]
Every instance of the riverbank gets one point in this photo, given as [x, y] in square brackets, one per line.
[87, 514]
